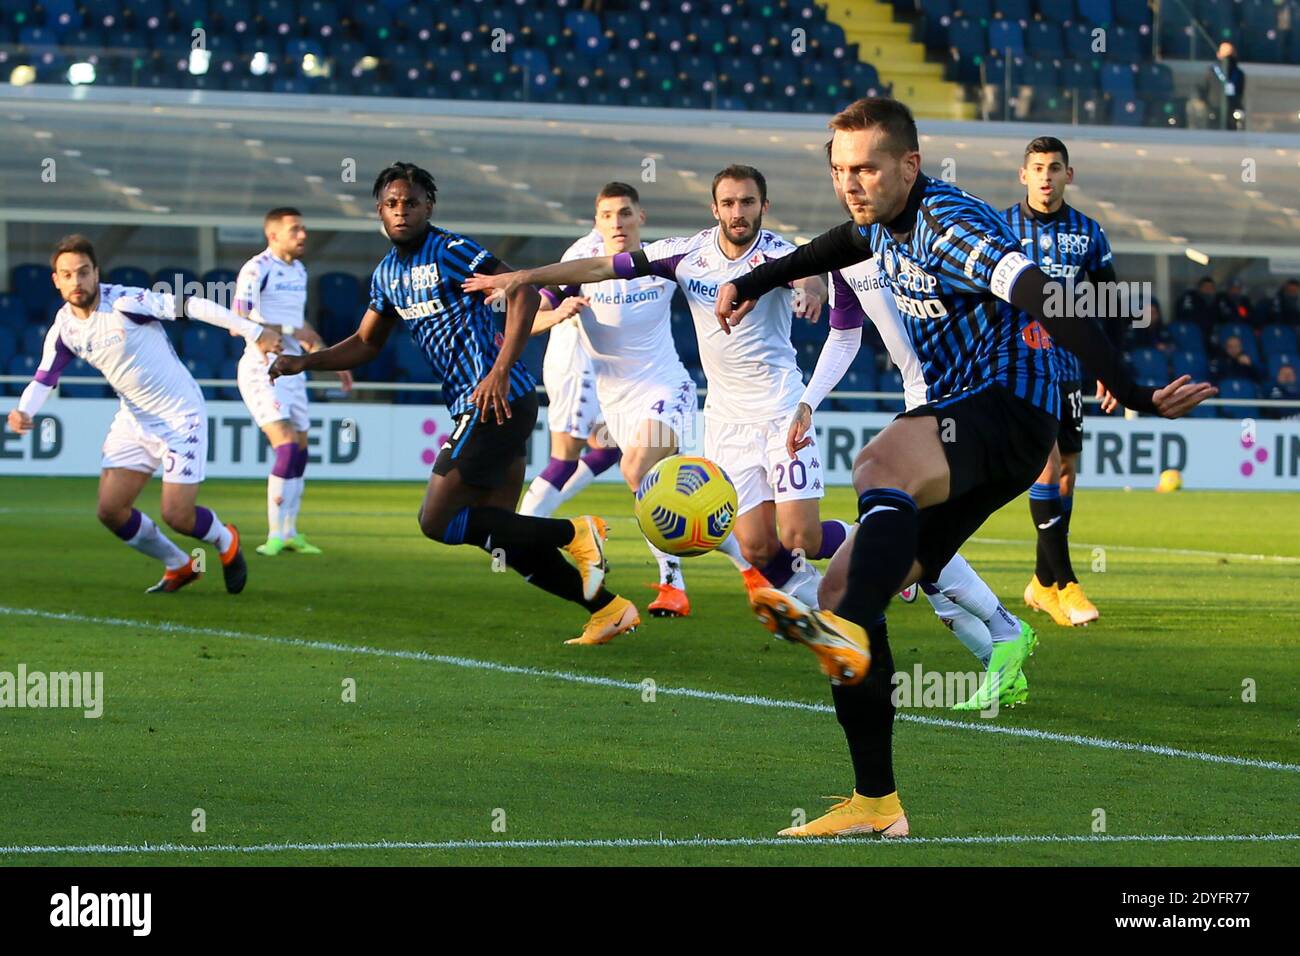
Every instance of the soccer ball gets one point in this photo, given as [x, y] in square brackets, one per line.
[686, 506]
[1171, 479]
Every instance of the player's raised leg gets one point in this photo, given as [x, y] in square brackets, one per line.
[118, 490]
[471, 501]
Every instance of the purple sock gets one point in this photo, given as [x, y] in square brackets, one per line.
[558, 471]
[600, 459]
[299, 461]
[202, 522]
[780, 569]
[833, 535]
[284, 460]
[131, 528]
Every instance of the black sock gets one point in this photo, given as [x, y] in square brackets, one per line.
[492, 528]
[547, 569]
[883, 551]
[866, 712]
[1051, 519]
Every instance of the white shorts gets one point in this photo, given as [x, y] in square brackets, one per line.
[671, 404]
[285, 399]
[754, 457]
[182, 450]
[573, 409]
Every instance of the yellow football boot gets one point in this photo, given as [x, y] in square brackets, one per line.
[857, 814]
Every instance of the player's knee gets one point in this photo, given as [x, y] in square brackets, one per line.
[112, 517]
[433, 525]
[760, 553]
[871, 471]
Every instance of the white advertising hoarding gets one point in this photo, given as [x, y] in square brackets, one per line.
[353, 440]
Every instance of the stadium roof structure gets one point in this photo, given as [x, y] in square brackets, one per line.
[197, 158]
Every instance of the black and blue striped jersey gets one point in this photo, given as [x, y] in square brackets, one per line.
[951, 261]
[453, 328]
[1068, 246]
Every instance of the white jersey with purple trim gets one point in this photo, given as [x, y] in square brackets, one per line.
[627, 330]
[273, 292]
[123, 340]
[753, 373]
[862, 292]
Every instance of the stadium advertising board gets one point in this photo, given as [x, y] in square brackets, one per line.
[399, 442]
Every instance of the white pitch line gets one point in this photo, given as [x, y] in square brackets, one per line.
[1145, 549]
[593, 680]
[632, 843]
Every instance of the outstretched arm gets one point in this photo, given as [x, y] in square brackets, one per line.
[357, 349]
[1085, 338]
[573, 272]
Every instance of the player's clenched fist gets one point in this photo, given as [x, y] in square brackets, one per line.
[287, 365]
[20, 422]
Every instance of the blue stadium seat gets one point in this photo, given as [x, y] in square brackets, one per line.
[977, 9]
[857, 380]
[1043, 39]
[12, 312]
[1150, 368]
[31, 283]
[234, 346]
[23, 364]
[409, 358]
[1127, 112]
[1015, 9]
[218, 277]
[1097, 12]
[32, 340]
[83, 369]
[1125, 45]
[1059, 12]
[128, 275]
[339, 293]
[201, 341]
[229, 369]
[1187, 362]
[1006, 37]
[8, 345]
[1187, 336]
[148, 13]
[1278, 339]
[1079, 42]
[1119, 80]
[191, 13]
[1238, 388]
[1133, 14]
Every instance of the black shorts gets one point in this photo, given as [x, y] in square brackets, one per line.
[998, 445]
[1070, 437]
[483, 451]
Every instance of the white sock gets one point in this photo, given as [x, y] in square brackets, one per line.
[276, 493]
[969, 629]
[293, 488]
[803, 585]
[959, 582]
[731, 548]
[541, 499]
[149, 540]
[580, 479]
[670, 567]
[218, 534]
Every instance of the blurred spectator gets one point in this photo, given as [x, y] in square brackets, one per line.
[1200, 306]
[1154, 336]
[1233, 362]
[1221, 97]
[1284, 387]
[1235, 303]
[1285, 305]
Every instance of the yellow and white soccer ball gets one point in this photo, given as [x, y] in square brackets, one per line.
[1171, 479]
[686, 506]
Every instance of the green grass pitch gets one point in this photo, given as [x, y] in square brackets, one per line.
[235, 705]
